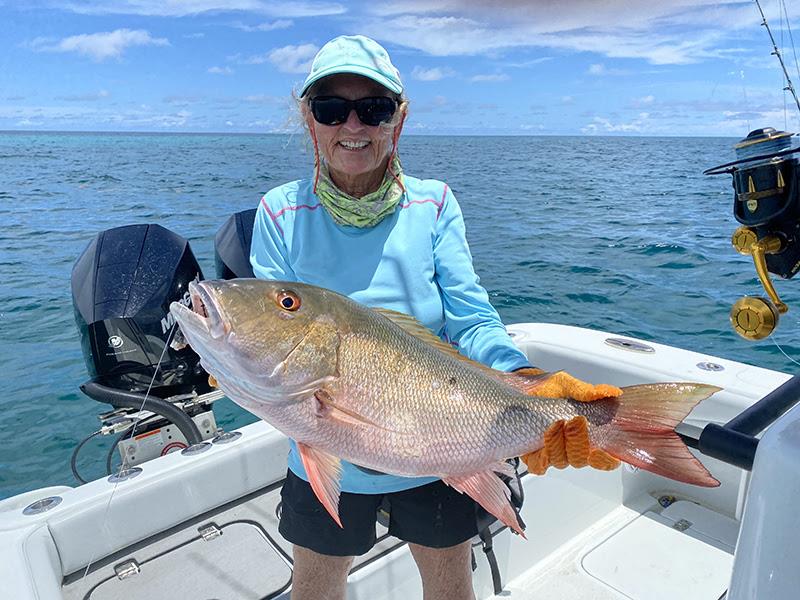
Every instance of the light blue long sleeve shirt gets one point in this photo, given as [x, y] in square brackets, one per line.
[415, 261]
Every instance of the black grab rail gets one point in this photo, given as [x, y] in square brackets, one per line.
[735, 442]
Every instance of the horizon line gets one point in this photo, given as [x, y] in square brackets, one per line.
[406, 134]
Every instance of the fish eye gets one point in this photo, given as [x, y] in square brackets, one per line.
[288, 300]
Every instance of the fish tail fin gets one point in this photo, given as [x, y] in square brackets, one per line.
[645, 419]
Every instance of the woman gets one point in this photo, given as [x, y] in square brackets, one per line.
[364, 228]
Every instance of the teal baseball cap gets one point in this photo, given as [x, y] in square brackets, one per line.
[356, 54]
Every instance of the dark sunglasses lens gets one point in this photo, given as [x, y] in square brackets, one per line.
[374, 111]
[330, 111]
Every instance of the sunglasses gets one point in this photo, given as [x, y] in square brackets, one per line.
[332, 110]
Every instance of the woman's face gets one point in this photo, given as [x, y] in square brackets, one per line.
[351, 149]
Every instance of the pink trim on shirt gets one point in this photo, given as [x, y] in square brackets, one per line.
[274, 216]
[438, 203]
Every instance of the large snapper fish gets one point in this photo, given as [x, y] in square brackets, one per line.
[378, 389]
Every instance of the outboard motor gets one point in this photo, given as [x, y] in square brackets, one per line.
[122, 287]
[232, 246]
[766, 201]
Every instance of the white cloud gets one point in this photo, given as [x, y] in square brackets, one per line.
[602, 71]
[194, 36]
[489, 78]
[263, 99]
[178, 100]
[293, 59]
[644, 100]
[99, 46]
[89, 97]
[604, 125]
[667, 32]
[220, 70]
[182, 8]
[433, 74]
[269, 26]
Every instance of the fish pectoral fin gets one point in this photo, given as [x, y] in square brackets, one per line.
[324, 473]
[328, 408]
[488, 490]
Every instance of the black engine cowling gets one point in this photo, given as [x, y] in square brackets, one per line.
[122, 287]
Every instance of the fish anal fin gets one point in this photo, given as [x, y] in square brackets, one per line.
[488, 490]
[324, 472]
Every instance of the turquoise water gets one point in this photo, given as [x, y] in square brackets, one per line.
[620, 234]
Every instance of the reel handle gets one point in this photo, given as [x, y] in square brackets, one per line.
[756, 318]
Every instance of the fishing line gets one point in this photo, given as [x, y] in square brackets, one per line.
[139, 418]
[777, 345]
[783, 47]
[791, 41]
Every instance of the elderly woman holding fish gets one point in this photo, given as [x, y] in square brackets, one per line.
[363, 227]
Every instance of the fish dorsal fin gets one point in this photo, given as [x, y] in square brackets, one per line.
[413, 327]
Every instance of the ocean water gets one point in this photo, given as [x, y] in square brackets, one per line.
[620, 234]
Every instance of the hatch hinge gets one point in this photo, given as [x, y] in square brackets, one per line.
[209, 532]
[127, 569]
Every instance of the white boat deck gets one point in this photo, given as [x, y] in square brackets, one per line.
[622, 555]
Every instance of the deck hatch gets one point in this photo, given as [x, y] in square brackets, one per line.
[240, 563]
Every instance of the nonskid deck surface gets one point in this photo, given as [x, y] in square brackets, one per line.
[639, 552]
[234, 552]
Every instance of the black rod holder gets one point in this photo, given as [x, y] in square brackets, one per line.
[769, 409]
[728, 445]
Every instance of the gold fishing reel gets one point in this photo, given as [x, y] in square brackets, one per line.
[755, 318]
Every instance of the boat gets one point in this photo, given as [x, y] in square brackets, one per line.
[202, 522]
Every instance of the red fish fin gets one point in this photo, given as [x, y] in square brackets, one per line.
[559, 384]
[642, 432]
[488, 490]
[324, 472]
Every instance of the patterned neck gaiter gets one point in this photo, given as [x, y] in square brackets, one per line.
[368, 210]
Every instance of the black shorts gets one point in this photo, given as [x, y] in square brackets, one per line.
[433, 515]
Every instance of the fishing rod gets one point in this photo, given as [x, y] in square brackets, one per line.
[766, 201]
[775, 51]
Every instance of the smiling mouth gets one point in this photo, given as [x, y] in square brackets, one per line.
[354, 146]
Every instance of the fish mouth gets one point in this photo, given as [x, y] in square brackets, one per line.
[204, 315]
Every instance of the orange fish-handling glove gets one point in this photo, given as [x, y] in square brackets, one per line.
[566, 442]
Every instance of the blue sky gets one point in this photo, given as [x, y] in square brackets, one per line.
[607, 67]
